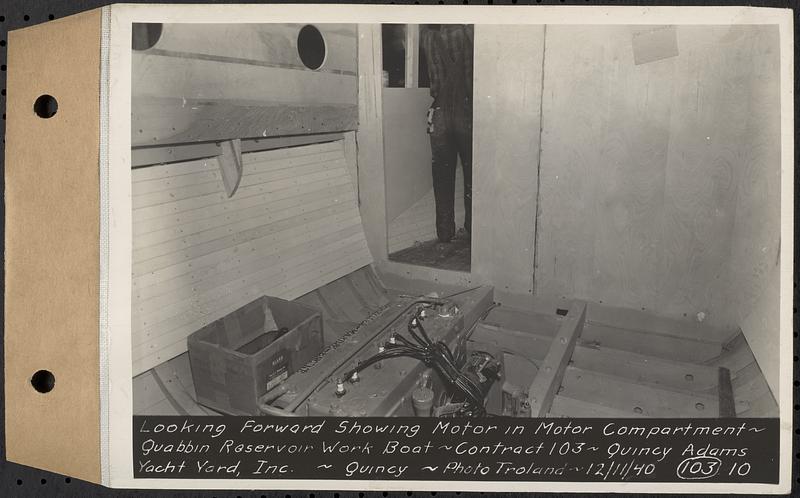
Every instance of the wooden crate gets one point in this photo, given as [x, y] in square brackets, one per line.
[235, 360]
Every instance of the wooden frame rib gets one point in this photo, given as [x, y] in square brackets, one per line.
[546, 383]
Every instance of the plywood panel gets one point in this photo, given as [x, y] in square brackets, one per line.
[183, 78]
[204, 295]
[662, 346]
[762, 324]
[292, 226]
[565, 407]
[277, 190]
[620, 394]
[506, 119]
[756, 248]
[407, 148]
[233, 242]
[158, 154]
[604, 144]
[174, 120]
[369, 137]
[715, 144]
[646, 370]
[220, 81]
[209, 281]
[258, 44]
[418, 222]
[242, 256]
[146, 359]
[304, 202]
[351, 157]
[657, 179]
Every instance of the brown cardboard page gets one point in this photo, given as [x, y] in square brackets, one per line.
[52, 247]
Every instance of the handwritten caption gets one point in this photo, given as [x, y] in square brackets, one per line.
[498, 449]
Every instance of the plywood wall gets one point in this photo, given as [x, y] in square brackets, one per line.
[506, 118]
[292, 226]
[406, 148]
[756, 248]
[203, 82]
[656, 185]
[369, 137]
[659, 181]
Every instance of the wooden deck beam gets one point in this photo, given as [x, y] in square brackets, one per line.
[546, 383]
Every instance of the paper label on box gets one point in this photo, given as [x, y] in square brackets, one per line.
[279, 369]
[273, 380]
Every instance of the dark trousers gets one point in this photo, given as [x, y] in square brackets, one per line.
[451, 139]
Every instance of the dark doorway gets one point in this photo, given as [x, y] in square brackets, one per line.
[427, 116]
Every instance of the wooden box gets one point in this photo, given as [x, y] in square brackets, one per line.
[237, 358]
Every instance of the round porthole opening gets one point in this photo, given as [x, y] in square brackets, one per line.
[146, 34]
[311, 47]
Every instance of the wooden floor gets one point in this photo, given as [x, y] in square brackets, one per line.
[454, 255]
[625, 363]
[619, 370]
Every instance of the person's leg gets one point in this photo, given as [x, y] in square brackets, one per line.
[463, 135]
[443, 155]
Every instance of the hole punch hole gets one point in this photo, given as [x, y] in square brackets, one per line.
[700, 406]
[43, 381]
[45, 106]
[689, 377]
[311, 47]
[637, 410]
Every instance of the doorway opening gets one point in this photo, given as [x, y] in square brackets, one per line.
[427, 129]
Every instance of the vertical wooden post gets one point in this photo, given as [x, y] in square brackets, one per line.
[412, 55]
[369, 137]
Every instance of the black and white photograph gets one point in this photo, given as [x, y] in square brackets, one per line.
[619, 234]
[472, 222]
[400, 248]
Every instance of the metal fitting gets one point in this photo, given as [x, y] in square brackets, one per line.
[340, 390]
[378, 364]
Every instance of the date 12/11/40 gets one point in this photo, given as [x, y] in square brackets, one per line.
[693, 468]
